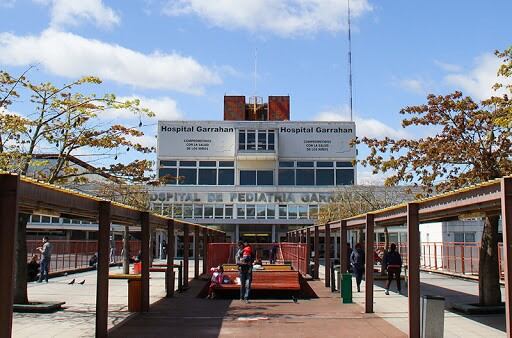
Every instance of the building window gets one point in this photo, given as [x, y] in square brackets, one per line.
[324, 177]
[305, 177]
[194, 173]
[319, 173]
[228, 211]
[286, 177]
[187, 176]
[344, 176]
[256, 177]
[208, 211]
[283, 213]
[250, 211]
[247, 177]
[260, 140]
[271, 211]
[187, 211]
[240, 212]
[261, 211]
[207, 176]
[198, 211]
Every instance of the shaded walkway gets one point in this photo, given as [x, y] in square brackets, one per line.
[188, 316]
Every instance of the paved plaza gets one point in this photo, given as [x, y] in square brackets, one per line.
[185, 315]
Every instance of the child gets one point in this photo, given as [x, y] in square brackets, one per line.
[217, 279]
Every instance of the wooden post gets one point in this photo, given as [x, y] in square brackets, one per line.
[145, 238]
[316, 259]
[413, 261]
[343, 247]
[186, 249]
[126, 250]
[9, 200]
[506, 224]
[169, 273]
[370, 225]
[196, 252]
[205, 250]
[327, 255]
[104, 221]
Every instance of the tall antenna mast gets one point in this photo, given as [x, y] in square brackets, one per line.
[349, 60]
[255, 69]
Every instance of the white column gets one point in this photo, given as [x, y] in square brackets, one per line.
[274, 233]
[237, 233]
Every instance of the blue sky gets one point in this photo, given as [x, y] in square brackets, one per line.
[182, 56]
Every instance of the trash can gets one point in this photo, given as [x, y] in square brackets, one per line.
[134, 296]
[346, 288]
[432, 316]
[137, 268]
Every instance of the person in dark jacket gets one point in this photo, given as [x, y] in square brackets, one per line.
[32, 269]
[393, 264]
[357, 263]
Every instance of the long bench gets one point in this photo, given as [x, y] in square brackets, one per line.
[266, 280]
[266, 267]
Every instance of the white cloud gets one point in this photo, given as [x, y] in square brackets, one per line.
[281, 17]
[365, 127]
[365, 176]
[478, 81]
[73, 12]
[416, 85]
[448, 67]
[72, 56]
[164, 108]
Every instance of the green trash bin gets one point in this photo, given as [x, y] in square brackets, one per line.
[346, 288]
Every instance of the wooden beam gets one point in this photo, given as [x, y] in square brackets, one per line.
[308, 248]
[370, 226]
[343, 247]
[196, 252]
[145, 238]
[9, 199]
[327, 255]
[413, 261]
[186, 249]
[506, 223]
[104, 223]
[205, 250]
[169, 273]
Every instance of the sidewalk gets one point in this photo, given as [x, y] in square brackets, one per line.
[78, 317]
[394, 308]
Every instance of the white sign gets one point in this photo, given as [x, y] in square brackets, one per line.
[318, 139]
[196, 139]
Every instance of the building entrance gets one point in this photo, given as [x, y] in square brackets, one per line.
[256, 237]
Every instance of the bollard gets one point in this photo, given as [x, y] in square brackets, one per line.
[346, 288]
[432, 317]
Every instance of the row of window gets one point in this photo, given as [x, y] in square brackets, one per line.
[55, 220]
[291, 173]
[245, 211]
[256, 140]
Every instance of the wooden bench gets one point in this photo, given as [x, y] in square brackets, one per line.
[266, 267]
[266, 280]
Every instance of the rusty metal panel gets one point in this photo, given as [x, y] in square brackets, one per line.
[234, 108]
[279, 108]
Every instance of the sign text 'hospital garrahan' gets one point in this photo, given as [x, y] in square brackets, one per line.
[220, 129]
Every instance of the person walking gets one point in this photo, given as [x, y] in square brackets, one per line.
[46, 255]
[245, 272]
[393, 264]
[357, 263]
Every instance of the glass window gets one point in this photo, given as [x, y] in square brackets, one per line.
[344, 164]
[286, 164]
[262, 140]
[325, 164]
[241, 140]
[469, 237]
[286, 177]
[187, 176]
[228, 211]
[66, 220]
[226, 164]
[187, 211]
[187, 163]
[167, 163]
[219, 211]
[55, 220]
[75, 221]
[177, 210]
[165, 209]
[208, 211]
[271, 140]
[305, 164]
[45, 219]
[226, 176]
[325, 177]
[250, 211]
[198, 211]
[207, 163]
[207, 176]
[303, 211]
[240, 212]
[458, 237]
[260, 211]
[292, 212]
[251, 140]
[36, 218]
[305, 177]
[313, 211]
[344, 176]
[168, 175]
[265, 177]
[283, 211]
[247, 177]
[271, 211]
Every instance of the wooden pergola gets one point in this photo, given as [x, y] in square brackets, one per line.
[20, 194]
[492, 198]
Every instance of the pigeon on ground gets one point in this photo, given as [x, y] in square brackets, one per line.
[82, 282]
[295, 300]
[72, 282]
